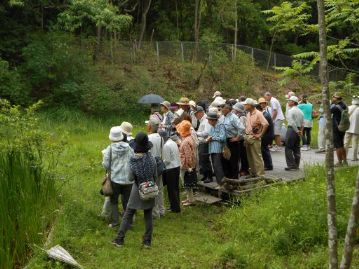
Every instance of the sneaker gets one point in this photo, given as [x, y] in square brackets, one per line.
[320, 151]
[304, 148]
[291, 169]
[117, 242]
[111, 225]
[274, 148]
[146, 245]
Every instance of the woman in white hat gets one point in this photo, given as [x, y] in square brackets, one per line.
[116, 160]
[127, 128]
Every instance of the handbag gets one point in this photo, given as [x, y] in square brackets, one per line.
[226, 153]
[160, 163]
[148, 190]
[106, 182]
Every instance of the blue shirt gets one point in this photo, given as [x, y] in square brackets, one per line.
[218, 134]
[232, 125]
[307, 110]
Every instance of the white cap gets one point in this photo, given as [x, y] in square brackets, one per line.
[116, 134]
[294, 99]
[218, 101]
[192, 103]
[250, 101]
[216, 94]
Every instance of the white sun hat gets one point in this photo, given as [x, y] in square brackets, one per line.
[192, 103]
[116, 134]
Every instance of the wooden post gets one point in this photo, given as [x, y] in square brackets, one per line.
[182, 52]
[252, 55]
[275, 59]
[158, 53]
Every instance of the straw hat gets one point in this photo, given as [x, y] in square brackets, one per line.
[166, 104]
[216, 94]
[126, 128]
[116, 134]
[184, 101]
[262, 100]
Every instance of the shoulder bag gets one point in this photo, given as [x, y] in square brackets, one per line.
[148, 190]
[106, 182]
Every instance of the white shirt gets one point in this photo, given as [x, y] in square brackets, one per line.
[354, 119]
[156, 142]
[203, 129]
[275, 105]
[171, 155]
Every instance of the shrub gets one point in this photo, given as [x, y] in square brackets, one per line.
[11, 85]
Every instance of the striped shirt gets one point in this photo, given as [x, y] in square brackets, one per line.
[295, 118]
[218, 134]
[232, 125]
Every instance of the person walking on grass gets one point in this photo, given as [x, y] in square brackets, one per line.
[216, 141]
[352, 134]
[170, 176]
[156, 151]
[234, 132]
[268, 135]
[188, 153]
[116, 160]
[336, 108]
[278, 119]
[203, 155]
[307, 109]
[321, 130]
[256, 127]
[294, 133]
[142, 168]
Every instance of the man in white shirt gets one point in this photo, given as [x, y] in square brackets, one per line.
[205, 167]
[277, 117]
[156, 151]
[170, 176]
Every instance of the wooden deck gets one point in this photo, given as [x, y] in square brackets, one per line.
[277, 176]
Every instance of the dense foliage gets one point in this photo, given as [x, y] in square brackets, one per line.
[57, 50]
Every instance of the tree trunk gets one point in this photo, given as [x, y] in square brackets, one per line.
[271, 49]
[144, 21]
[329, 158]
[235, 32]
[177, 21]
[196, 26]
[351, 229]
[98, 44]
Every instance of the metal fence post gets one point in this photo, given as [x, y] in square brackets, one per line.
[182, 52]
[158, 53]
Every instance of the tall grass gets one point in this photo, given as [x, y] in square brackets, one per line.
[27, 199]
[27, 184]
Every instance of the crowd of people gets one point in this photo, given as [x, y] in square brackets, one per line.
[227, 138]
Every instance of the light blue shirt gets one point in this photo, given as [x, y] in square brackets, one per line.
[218, 134]
[232, 125]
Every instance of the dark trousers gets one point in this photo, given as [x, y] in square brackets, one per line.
[204, 162]
[127, 221]
[231, 166]
[124, 191]
[217, 166]
[267, 158]
[171, 179]
[292, 148]
[307, 136]
[243, 157]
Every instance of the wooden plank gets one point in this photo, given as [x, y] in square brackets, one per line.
[206, 198]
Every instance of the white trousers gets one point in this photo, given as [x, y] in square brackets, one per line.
[354, 139]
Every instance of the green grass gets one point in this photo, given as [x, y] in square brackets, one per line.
[283, 227]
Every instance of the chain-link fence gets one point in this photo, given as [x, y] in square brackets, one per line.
[160, 51]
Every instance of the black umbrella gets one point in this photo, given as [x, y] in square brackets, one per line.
[151, 99]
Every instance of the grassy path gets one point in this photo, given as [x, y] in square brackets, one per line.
[186, 240]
